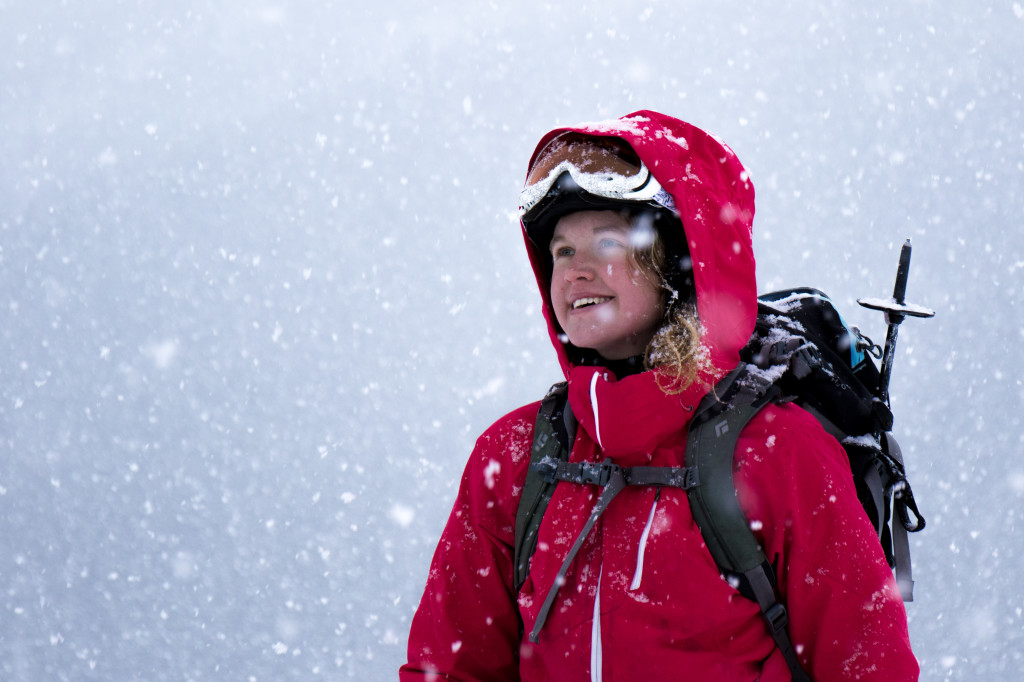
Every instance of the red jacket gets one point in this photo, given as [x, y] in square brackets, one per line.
[643, 599]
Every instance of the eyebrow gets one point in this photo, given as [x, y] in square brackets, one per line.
[620, 229]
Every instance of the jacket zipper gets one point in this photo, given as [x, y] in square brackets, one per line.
[638, 574]
[596, 663]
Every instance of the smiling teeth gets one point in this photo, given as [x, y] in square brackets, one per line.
[588, 301]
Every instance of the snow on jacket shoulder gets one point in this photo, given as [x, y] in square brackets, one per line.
[847, 620]
[467, 626]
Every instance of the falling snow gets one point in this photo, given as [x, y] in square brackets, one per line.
[262, 286]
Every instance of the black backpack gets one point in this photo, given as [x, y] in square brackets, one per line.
[801, 351]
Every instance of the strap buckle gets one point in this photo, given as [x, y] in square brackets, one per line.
[548, 468]
[599, 474]
[777, 618]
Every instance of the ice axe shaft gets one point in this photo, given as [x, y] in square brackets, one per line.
[896, 310]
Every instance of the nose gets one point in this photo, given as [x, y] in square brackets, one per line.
[580, 267]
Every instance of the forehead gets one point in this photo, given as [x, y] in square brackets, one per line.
[584, 223]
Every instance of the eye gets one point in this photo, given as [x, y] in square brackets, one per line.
[609, 243]
[562, 252]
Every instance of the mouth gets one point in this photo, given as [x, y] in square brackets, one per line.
[586, 302]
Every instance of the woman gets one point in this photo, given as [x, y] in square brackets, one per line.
[639, 232]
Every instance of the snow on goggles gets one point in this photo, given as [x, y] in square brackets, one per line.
[603, 166]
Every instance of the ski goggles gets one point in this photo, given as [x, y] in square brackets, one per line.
[605, 167]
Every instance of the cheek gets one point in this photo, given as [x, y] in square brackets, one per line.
[648, 303]
[555, 294]
[556, 281]
[603, 316]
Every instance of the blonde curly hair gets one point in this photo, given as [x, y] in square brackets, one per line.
[675, 350]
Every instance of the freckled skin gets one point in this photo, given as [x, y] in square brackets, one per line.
[590, 251]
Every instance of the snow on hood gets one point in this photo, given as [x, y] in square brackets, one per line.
[715, 199]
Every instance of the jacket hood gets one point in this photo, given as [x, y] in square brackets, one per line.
[714, 196]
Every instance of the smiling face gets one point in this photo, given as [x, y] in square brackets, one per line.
[601, 299]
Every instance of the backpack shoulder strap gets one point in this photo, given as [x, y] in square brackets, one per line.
[554, 422]
[710, 449]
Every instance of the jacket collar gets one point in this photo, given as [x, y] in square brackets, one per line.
[630, 418]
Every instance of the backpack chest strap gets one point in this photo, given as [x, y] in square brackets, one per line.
[602, 473]
[613, 479]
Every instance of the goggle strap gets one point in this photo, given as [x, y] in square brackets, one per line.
[640, 187]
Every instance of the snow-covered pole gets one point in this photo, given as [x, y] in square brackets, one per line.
[895, 309]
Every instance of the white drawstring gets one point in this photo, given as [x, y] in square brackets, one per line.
[639, 573]
[593, 405]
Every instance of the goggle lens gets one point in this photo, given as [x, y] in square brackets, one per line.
[606, 167]
[591, 155]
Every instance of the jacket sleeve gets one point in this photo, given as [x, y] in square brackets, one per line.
[467, 625]
[846, 617]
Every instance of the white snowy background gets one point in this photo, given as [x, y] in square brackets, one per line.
[261, 287]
